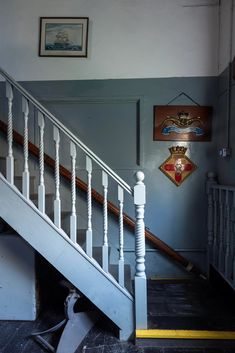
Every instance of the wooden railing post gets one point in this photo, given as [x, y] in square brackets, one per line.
[73, 216]
[10, 158]
[221, 230]
[140, 276]
[41, 186]
[89, 207]
[228, 238]
[25, 186]
[211, 180]
[57, 201]
[215, 227]
[121, 275]
[105, 247]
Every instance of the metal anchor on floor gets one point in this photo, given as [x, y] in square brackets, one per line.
[76, 327]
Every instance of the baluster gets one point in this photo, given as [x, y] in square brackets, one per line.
[221, 231]
[210, 239]
[234, 272]
[121, 238]
[89, 207]
[25, 186]
[41, 187]
[140, 276]
[215, 242]
[228, 258]
[232, 238]
[10, 158]
[105, 255]
[57, 201]
[73, 217]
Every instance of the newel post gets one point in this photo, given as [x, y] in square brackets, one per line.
[211, 180]
[140, 276]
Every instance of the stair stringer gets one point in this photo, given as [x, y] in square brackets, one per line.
[68, 258]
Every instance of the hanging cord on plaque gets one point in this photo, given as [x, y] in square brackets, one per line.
[186, 95]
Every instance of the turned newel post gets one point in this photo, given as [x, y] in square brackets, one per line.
[211, 180]
[140, 276]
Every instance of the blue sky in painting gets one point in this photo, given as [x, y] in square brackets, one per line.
[74, 32]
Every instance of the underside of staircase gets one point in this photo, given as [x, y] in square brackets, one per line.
[68, 258]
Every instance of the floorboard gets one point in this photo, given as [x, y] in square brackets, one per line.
[175, 305]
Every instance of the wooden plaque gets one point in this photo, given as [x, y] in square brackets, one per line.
[182, 123]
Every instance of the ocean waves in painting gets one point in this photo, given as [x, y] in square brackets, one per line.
[65, 47]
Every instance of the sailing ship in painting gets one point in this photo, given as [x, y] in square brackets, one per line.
[61, 40]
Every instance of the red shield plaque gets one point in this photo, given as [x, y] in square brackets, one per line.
[178, 166]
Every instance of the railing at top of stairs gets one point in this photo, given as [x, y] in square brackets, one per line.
[138, 192]
[221, 228]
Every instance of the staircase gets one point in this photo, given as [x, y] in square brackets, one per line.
[28, 215]
[64, 231]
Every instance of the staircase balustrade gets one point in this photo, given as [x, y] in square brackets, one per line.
[138, 193]
[221, 228]
[96, 196]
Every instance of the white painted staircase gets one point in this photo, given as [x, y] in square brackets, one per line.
[127, 311]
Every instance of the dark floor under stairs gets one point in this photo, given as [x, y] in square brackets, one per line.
[172, 305]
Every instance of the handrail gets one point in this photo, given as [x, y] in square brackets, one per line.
[67, 132]
[223, 187]
[156, 242]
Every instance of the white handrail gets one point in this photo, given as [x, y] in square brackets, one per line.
[67, 132]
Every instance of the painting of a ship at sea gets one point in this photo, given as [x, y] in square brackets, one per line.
[63, 36]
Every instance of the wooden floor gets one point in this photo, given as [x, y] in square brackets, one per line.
[179, 305]
[190, 305]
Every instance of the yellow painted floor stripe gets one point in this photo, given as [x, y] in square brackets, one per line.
[186, 334]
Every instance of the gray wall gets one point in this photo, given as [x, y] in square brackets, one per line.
[106, 114]
[225, 130]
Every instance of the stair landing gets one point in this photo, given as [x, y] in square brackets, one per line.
[189, 313]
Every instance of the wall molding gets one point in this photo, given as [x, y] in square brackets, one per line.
[137, 100]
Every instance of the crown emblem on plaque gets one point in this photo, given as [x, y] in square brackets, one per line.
[178, 166]
[178, 150]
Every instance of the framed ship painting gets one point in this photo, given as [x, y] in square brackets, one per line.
[182, 123]
[66, 37]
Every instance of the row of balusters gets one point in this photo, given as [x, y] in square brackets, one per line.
[221, 230]
[57, 200]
